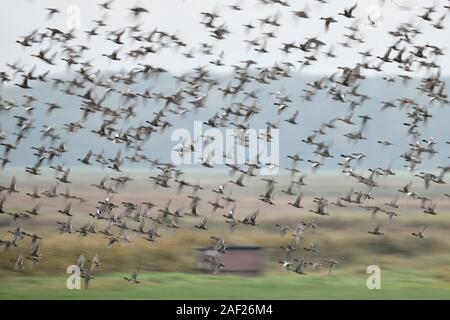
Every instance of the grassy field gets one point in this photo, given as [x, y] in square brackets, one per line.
[405, 285]
[411, 268]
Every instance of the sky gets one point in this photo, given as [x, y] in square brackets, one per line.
[19, 17]
[183, 17]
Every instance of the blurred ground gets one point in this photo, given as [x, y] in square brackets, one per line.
[395, 285]
[411, 267]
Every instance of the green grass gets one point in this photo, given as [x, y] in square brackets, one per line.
[411, 268]
[158, 285]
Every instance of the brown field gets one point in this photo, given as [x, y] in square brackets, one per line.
[342, 236]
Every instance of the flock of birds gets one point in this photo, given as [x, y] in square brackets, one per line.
[99, 92]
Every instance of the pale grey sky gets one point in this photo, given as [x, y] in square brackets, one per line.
[183, 17]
